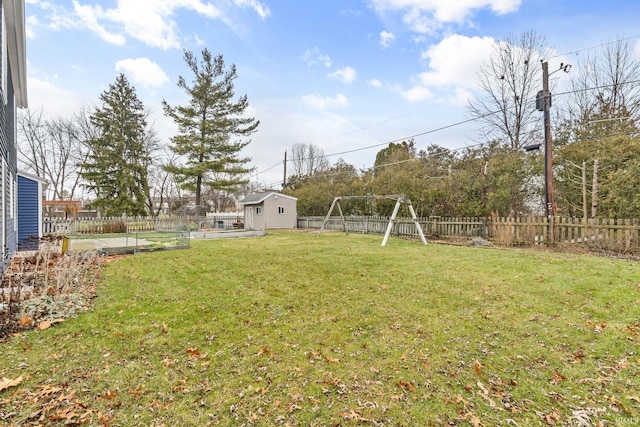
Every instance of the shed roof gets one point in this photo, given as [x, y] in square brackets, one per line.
[256, 198]
[32, 177]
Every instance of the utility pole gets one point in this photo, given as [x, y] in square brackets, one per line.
[284, 180]
[585, 212]
[550, 209]
[594, 190]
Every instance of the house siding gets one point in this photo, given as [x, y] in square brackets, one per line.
[9, 162]
[13, 94]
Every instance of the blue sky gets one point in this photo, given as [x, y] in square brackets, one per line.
[346, 75]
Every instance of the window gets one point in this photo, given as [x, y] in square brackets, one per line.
[258, 210]
[281, 210]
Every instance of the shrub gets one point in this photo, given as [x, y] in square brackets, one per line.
[114, 227]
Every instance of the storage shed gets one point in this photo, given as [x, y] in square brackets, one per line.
[269, 210]
[29, 210]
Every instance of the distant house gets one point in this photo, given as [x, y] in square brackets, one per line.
[13, 89]
[269, 210]
[30, 188]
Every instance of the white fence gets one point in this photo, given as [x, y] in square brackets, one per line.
[61, 226]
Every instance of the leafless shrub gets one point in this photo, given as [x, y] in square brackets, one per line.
[114, 227]
[47, 286]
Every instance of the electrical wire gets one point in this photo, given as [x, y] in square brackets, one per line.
[575, 52]
[459, 123]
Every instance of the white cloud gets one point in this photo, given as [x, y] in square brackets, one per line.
[31, 23]
[345, 75]
[425, 16]
[460, 97]
[149, 21]
[53, 100]
[89, 16]
[313, 56]
[386, 38]
[143, 71]
[261, 9]
[453, 65]
[417, 93]
[455, 60]
[323, 103]
[375, 83]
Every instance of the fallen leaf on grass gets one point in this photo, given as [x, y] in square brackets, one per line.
[109, 394]
[265, 350]
[597, 328]
[557, 377]
[353, 415]
[551, 417]
[5, 383]
[46, 324]
[194, 352]
[407, 385]
[477, 367]
[473, 420]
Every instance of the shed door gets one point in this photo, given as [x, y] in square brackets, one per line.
[248, 213]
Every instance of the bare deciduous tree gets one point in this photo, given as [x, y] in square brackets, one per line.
[51, 149]
[509, 81]
[605, 96]
[308, 159]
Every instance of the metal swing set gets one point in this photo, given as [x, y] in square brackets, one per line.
[399, 198]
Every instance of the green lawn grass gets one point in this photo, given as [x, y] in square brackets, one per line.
[294, 329]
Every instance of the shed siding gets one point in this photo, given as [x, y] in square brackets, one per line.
[28, 213]
[258, 222]
[276, 211]
[275, 219]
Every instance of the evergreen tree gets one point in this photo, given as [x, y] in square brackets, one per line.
[116, 166]
[207, 126]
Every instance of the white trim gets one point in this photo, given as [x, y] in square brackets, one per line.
[32, 177]
[266, 196]
[4, 59]
[16, 43]
[3, 203]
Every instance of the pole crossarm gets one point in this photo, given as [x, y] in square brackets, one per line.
[399, 198]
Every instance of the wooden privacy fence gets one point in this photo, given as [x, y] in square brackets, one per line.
[620, 236]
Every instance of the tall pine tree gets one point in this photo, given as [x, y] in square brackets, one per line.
[210, 128]
[116, 167]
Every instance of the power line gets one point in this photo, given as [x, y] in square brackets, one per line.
[575, 52]
[452, 125]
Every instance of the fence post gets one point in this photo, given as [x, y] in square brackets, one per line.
[434, 225]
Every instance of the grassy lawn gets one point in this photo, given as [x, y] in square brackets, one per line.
[291, 329]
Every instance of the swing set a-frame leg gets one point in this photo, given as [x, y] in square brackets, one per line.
[336, 202]
[391, 221]
[326, 218]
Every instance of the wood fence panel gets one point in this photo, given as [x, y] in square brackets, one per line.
[621, 236]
